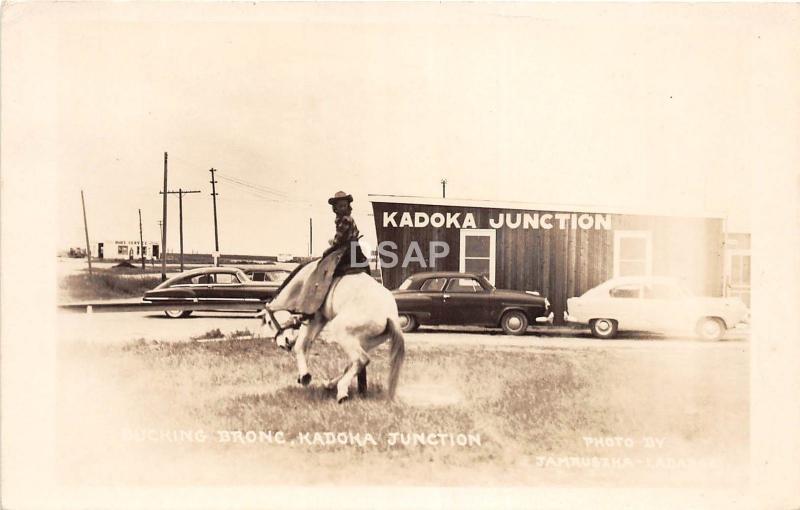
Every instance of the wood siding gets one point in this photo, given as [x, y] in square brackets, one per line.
[562, 263]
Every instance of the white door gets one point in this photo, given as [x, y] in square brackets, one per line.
[737, 272]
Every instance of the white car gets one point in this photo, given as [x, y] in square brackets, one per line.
[653, 304]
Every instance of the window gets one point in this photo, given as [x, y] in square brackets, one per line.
[433, 285]
[478, 252]
[626, 291]
[633, 254]
[203, 279]
[257, 276]
[226, 278]
[464, 285]
[662, 291]
[406, 284]
[122, 250]
[184, 281]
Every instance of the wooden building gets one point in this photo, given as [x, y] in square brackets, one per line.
[560, 252]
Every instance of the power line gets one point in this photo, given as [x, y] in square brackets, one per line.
[234, 179]
[254, 191]
[252, 185]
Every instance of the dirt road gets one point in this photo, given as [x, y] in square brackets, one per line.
[120, 328]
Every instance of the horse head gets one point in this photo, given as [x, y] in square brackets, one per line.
[283, 334]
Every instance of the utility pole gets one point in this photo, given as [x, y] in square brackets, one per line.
[160, 229]
[141, 239]
[216, 232]
[164, 223]
[86, 229]
[180, 194]
[444, 188]
[310, 237]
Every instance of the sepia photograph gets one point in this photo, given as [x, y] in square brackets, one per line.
[400, 255]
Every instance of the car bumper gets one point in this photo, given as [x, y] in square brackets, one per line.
[570, 318]
[545, 320]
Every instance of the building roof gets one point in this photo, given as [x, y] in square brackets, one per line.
[529, 206]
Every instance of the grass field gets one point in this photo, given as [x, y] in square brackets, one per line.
[532, 410]
[105, 284]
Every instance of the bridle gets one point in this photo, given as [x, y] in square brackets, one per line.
[293, 323]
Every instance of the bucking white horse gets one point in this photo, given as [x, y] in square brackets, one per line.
[358, 313]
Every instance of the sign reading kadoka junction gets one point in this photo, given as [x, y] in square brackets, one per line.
[533, 220]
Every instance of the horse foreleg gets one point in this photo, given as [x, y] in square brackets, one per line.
[304, 344]
[362, 381]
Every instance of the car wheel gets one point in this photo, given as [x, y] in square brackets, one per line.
[711, 328]
[408, 323]
[177, 314]
[514, 323]
[604, 328]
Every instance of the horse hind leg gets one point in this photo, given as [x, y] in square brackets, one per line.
[343, 387]
[358, 363]
[332, 382]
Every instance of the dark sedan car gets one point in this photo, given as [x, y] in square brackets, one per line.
[214, 286]
[467, 299]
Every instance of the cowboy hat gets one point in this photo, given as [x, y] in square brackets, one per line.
[340, 195]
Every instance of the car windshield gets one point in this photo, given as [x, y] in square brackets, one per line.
[405, 285]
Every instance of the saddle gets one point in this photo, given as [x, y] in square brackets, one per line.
[304, 291]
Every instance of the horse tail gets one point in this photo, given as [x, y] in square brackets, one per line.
[397, 355]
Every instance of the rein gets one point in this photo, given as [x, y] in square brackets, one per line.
[275, 324]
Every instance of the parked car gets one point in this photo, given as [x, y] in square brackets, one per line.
[467, 299]
[653, 304]
[212, 286]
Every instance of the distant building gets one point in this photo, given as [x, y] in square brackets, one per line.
[125, 250]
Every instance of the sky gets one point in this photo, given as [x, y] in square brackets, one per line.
[643, 106]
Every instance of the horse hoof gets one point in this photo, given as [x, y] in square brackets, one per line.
[304, 379]
[342, 400]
